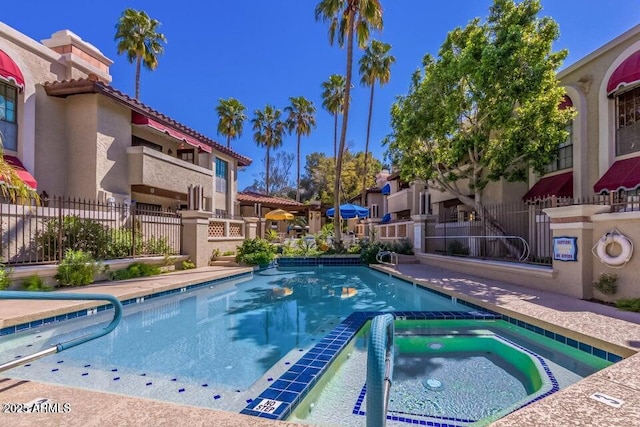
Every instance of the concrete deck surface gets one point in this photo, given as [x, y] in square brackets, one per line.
[597, 324]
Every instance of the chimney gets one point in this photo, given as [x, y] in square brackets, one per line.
[82, 57]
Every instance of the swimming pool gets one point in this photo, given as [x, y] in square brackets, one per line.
[217, 346]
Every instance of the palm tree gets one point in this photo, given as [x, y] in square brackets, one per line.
[301, 120]
[269, 130]
[232, 118]
[375, 65]
[12, 186]
[347, 19]
[332, 100]
[137, 35]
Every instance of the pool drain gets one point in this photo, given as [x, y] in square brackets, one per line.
[432, 384]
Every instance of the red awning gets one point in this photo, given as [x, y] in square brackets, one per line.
[557, 185]
[24, 174]
[139, 119]
[627, 73]
[566, 103]
[622, 175]
[10, 71]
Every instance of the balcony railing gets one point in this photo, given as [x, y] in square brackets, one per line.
[400, 201]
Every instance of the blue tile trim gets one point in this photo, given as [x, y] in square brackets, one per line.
[294, 384]
[317, 261]
[81, 313]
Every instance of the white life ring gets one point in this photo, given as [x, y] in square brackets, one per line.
[620, 239]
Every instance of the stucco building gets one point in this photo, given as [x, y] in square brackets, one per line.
[63, 123]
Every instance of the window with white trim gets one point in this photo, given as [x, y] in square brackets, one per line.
[628, 122]
[221, 176]
[375, 211]
[564, 154]
[8, 116]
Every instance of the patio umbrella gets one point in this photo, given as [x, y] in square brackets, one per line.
[348, 211]
[278, 215]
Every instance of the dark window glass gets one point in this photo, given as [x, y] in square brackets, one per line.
[628, 125]
[8, 116]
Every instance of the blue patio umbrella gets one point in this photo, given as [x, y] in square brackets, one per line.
[348, 211]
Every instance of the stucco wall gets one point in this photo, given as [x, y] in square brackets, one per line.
[51, 134]
[81, 120]
[627, 223]
[113, 138]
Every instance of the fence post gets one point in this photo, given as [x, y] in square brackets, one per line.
[133, 229]
[60, 227]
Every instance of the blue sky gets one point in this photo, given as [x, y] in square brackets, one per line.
[261, 51]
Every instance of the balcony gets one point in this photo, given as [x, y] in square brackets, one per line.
[400, 201]
[154, 169]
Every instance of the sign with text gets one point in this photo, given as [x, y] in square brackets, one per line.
[565, 248]
[267, 406]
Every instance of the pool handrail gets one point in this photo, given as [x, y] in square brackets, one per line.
[379, 369]
[392, 257]
[71, 343]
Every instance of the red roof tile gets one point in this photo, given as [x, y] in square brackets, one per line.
[92, 85]
[251, 197]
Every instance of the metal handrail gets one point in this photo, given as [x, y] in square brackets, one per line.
[71, 343]
[392, 256]
[526, 250]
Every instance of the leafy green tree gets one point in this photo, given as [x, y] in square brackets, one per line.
[269, 129]
[301, 120]
[231, 114]
[137, 36]
[348, 19]
[486, 109]
[375, 66]
[332, 100]
[319, 174]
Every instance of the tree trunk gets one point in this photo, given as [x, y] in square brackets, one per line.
[266, 182]
[298, 174]
[366, 150]
[138, 63]
[229, 137]
[335, 138]
[337, 231]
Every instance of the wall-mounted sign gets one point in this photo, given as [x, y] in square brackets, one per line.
[565, 248]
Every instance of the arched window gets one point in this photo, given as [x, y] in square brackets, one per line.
[8, 116]
[628, 121]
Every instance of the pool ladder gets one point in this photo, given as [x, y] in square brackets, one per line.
[69, 344]
[379, 369]
[393, 258]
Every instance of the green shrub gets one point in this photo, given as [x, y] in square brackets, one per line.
[607, 283]
[5, 279]
[630, 304]
[78, 234]
[354, 249]
[77, 268]
[271, 235]
[157, 246]
[119, 243]
[228, 253]
[370, 250]
[137, 269]
[215, 253]
[35, 284]
[188, 264]
[255, 252]
[403, 247]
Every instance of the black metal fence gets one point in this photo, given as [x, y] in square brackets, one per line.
[511, 232]
[39, 234]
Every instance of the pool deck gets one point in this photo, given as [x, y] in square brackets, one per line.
[598, 324]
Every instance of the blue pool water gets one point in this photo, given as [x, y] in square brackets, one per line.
[215, 346]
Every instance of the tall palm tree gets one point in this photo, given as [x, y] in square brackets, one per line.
[375, 65]
[137, 35]
[232, 118]
[348, 19]
[269, 130]
[332, 100]
[301, 120]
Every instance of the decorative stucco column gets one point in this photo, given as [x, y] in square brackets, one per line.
[195, 236]
[575, 278]
[419, 230]
[251, 224]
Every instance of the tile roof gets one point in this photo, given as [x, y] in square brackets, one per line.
[251, 197]
[93, 85]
